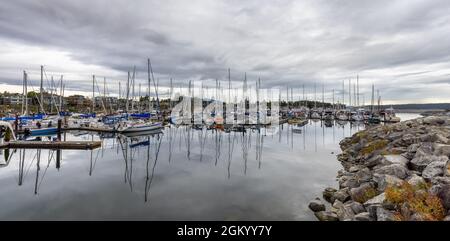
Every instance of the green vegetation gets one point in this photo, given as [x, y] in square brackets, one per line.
[418, 199]
[374, 146]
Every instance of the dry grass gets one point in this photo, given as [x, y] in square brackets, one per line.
[418, 199]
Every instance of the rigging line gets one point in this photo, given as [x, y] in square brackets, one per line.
[96, 158]
[45, 171]
[28, 169]
[154, 165]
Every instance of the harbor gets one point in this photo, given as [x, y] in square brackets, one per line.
[224, 111]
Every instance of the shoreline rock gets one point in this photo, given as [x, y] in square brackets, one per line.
[392, 172]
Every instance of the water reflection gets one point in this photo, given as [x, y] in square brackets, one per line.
[180, 173]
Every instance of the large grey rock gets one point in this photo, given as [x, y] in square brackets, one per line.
[341, 195]
[434, 169]
[416, 180]
[316, 205]
[328, 194]
[420, 162]
[394, 170]
[434, 120]
[383, 181]
[416, 217]
[439, 138]
[355, 206]
[344, 213]
[372, 205]
[444, 195]
[363, 175]
[385, 215]
[411, 151]
[365, 216]
[326, 216]
[447, 169]
[442, 150]
[377, 160]
[376, 200]
[349, 182]
[397, 159]
[447, 218]
[360, 194]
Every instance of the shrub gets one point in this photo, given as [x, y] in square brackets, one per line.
[418, 199]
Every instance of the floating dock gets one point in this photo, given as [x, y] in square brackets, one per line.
[69, 145]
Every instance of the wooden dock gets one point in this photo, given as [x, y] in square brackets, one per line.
[69, 145]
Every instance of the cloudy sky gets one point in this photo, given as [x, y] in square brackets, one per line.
[403, 47]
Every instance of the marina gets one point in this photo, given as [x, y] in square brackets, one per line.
[172, 174]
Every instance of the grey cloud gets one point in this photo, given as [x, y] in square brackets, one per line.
[287, 43]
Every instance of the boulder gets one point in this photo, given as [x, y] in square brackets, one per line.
[419, 163]
[444, 195]
[394, 170]
[365, 216]
[383, 181]
[397, 159]
[328, 194]
[447, 169]
[341, 195]
[439, 138]
[316, 205]
[343, 212]
[363, 192]
[434, 120]
[376, 200]
[354, 168]
[416, 217]
[411, 151]
[447, 218]
[416, 180]
[377, 160]
[434, 169]
[372, 205]
[442, 150]
[349, 182]
[355, 206]
[385, 215]
[363, 175]
[326, 216]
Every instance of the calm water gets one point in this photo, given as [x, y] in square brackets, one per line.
[182, 174]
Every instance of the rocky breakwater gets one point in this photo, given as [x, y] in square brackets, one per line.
[392, 173]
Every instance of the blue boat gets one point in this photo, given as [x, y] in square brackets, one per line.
[32, 117]
[44, 131]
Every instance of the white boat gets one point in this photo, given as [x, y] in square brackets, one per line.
[389, 115]
[342, 115]
[131, 127]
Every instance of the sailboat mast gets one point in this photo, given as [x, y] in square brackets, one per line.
[25, 80]
[93, 93]
[132, 86]
[323, 96]
[41, 90]
[154, 84]
[128, 93]
[372, 100]
[349, 92]
[303, 86]
[343, 92]
[357, 88]
[61, 93]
